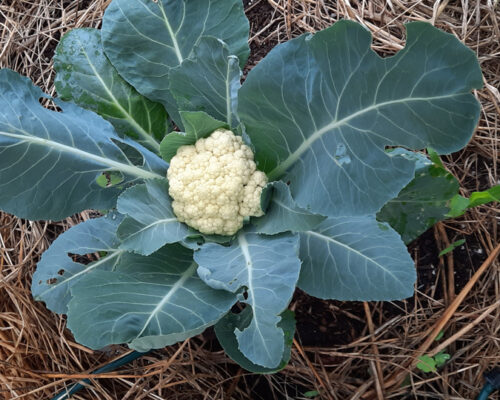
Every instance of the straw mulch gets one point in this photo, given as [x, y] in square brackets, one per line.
[38, 356]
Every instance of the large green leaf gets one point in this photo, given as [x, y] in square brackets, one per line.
[50, 161]
[147, 302]
[197, 124]
[150, 221]
[145, 39]
[86, 77]
[209, 82]
[283, 215]
[355, 258]
[423, 202]
[225, 328]
[56, 272]
[268, 267]
[321, 109]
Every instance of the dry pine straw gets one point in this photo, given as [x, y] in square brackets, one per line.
[38, 356]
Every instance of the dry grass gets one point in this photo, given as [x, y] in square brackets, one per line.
[38, 355]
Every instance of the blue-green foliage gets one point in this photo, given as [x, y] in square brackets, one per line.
[319, 111]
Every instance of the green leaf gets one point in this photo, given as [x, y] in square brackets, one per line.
[426, 364]
[441, 358]
[209, 81]
[434, 157]
[451, 247]
[488, 196]
[86, 77]
[439, 336]
[311, 393]
[268, 267]
[423, 202]
[150, 222]
[197, 124]
[460, 204]
[102, 180]
[320, 110]
[50, 161]
[146, 302]
[225, 331]
[56, 272]
[355, 258]
[145, 39]
[283, 214]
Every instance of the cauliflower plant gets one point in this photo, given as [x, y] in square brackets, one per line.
[215, 184]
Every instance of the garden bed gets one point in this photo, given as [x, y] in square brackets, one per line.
[342, 350]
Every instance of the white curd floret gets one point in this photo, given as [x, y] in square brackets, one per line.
[215, 184]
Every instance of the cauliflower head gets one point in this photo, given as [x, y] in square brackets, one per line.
[215, 184]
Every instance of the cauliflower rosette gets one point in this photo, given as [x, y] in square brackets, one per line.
[215, 184]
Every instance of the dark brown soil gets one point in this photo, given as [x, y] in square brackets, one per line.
[259, 16]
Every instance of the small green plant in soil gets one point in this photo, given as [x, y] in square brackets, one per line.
[451, 247]
[311, 394]
[431, 364]
[327, 123]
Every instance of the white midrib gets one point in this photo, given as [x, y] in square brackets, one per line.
[114, 165]
[328, 238]
[228, 93]
[158, 222]
[89, 268]
[293, 157]
[293, 211]
[242, 241]
[180, 283]
[177, 49]
[140, 130]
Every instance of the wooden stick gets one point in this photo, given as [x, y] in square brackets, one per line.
[377, 368]
[396, 378]
[464, 330]
[311, 367]
[449, 261]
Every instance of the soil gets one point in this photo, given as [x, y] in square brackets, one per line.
[259, 16]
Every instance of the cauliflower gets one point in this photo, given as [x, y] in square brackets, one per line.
[215, 184]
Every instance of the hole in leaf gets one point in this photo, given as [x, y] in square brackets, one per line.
[51, 281]
[60, 272]
[238, 307]
[109, 179]
[49, 104]
[83, 259]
